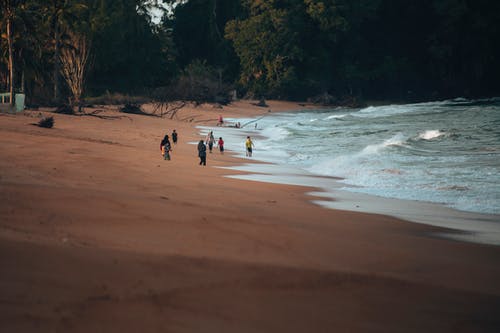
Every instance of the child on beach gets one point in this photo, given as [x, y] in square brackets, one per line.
[165, 148]
[220, 143]
[249, 145]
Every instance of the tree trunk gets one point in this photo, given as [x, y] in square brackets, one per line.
[57, 67]
[214, 17]
[11, 59]
[73, 62]
[23, 81]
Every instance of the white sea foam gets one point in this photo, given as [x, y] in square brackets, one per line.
[369, 109]
[396, 140]
[389, 151]
[336, 116]
[431, 134]
[392, 150]
[385, 111]
[275, 133]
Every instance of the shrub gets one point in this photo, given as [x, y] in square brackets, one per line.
[132, 108]
[198, 83]
[116, 99]
[262, 103]
[64, 109]
[46, 122]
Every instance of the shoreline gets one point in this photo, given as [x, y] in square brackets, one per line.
[465, 226]
[99, 233]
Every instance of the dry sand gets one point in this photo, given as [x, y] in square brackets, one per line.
[99, 234]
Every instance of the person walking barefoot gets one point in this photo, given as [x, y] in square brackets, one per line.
[210, 141]
[174, 137]
[165, 148]
[249, 146]
[202, 153]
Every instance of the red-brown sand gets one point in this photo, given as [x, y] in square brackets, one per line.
[99, 234]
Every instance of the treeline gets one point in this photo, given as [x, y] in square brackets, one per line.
[329, 50]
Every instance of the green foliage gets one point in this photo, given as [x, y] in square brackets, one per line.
[132, 108]
[327, 14]
[199, 83]
[116, 99]
[268, 47]
[290, 49]
[129, 54]
[198, 33]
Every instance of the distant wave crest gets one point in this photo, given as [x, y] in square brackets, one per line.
[387, 110]
[336, 116]
[396, 140]
[431, 134]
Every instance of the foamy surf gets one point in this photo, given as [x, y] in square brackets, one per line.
[368, 142]
[430, 134]
[391, 152]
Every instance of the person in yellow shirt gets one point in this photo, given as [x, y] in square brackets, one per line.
[249, 145]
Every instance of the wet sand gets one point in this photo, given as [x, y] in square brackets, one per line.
[331, 193]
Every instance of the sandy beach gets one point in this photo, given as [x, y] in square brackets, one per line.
[99, 234]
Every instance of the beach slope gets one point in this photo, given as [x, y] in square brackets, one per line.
[99, 234]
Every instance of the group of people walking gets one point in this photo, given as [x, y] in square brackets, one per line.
[210, 142]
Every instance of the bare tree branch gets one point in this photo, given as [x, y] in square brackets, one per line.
[168, 108]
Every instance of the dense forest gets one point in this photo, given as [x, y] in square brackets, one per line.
[329, 50]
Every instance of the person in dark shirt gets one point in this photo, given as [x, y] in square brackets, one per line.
[202, 152]
[174, 137]
[165, 148]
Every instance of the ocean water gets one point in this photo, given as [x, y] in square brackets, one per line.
[445, 152]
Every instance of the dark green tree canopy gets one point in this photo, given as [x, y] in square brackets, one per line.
[290, 49]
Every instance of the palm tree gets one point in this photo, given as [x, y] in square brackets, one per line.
[74, 58]
[9, 8]
[28, 45]
[18, 17]
[59, 14]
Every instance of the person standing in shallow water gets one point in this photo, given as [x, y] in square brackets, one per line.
[174, 137]
[202, 152]
[220, 143]
[210, 141]
[249, 146]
